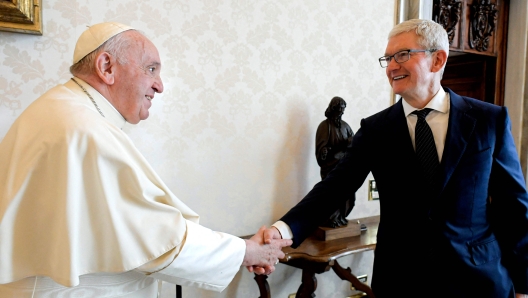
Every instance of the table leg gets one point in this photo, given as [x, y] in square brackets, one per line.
[263, 285]
[308, 285]
[346, 274]
[178, 291]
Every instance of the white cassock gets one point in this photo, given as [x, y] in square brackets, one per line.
[82, 213]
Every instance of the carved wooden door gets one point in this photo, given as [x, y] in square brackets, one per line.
[477, 31]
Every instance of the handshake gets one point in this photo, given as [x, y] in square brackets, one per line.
[264, 250]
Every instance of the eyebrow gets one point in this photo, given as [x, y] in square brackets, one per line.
[405, 49]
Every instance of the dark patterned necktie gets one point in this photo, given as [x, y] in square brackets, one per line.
[425, 145]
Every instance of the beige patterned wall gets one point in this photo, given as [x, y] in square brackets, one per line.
[246, 84]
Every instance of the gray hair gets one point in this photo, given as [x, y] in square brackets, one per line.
[115, 46]
[431, 35]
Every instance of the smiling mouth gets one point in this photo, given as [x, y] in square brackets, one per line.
[148, 97]
[399, 77]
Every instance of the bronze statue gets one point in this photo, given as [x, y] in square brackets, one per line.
[332, 139]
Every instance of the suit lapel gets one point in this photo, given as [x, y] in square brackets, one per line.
[398, 135]
[460, 128]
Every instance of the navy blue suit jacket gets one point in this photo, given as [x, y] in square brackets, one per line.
[466, 236]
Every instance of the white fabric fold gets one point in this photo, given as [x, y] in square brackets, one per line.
[222, 261]
[130, 284]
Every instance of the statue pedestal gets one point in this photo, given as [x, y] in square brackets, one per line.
[353, 228]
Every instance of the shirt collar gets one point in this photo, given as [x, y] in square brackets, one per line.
[110, 113]
[439, 103]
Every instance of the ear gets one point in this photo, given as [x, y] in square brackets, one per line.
[105, 67]
[439, 60]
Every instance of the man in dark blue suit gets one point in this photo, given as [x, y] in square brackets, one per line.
[455, 225]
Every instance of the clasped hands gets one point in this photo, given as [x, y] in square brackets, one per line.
[264, 250]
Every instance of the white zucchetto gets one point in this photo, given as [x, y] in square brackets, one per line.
[95, 36]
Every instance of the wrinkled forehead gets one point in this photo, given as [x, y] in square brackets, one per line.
[143, 50]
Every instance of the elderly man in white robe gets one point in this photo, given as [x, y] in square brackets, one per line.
[82, 213]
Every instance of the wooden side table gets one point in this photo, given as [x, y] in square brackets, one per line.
[314, 256]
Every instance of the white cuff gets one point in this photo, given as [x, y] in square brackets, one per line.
[284, 229]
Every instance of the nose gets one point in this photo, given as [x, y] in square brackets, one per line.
[392, 65]
[158, 85]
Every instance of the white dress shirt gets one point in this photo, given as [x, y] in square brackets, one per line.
[437, 119]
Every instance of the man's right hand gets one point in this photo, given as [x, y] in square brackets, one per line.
[270, 234]
[264, 250]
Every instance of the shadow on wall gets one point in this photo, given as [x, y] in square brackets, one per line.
[296, 152]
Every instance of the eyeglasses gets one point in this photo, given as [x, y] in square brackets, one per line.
[400, 57]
